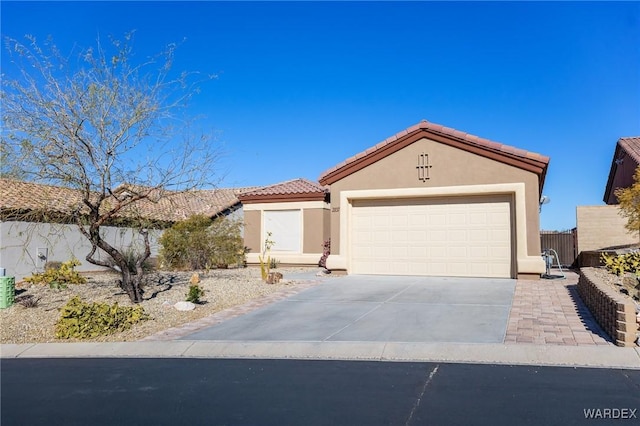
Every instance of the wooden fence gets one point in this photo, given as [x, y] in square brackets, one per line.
[564, 243]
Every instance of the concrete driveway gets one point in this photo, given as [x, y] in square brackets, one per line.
[380, 309]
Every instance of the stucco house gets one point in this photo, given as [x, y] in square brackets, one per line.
[601, 227]
[36, 227]
[429, 200]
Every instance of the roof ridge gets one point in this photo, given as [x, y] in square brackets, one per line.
[446, 132]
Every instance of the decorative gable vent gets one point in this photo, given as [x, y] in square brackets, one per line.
[423, 167]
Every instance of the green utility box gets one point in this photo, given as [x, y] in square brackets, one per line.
[7, 291]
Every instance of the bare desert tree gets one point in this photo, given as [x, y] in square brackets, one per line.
[115, 131]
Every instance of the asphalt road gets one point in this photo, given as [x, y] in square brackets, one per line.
[287, 392]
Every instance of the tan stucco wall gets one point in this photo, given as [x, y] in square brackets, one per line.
[252, 223]
[450, 167]
[315, 221]
[314, 230]
[600, 227]
[326, 230]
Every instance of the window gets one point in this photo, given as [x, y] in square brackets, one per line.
[286, 230]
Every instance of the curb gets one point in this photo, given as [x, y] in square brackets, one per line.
[539, 355]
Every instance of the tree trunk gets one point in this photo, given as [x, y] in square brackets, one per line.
[131, 275]
[130, 283]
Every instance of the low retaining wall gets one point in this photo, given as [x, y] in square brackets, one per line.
[615, 313]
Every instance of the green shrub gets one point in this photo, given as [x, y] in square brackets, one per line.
[274, 263]
[619, 264]
[265, 257]
[227, 242]
[202, 243]
[195, 293]
[83, 320]
[58, 278]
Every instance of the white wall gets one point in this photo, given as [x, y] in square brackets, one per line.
[21, 241]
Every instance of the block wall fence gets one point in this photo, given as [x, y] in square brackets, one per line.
[615, 313]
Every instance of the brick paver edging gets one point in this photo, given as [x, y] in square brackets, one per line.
[175, 333]
[550, 312]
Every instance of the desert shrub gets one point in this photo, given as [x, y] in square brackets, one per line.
[619, 264]
[83, 320]
[59, 277]
[27, 301]
[227, 241]
[202, 243]
[274, 263]
[52, 264]
[195, 293]
[265, 257]
[186, 245]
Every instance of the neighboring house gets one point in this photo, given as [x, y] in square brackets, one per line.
[601, 227]
[427, 201]
[36, 225]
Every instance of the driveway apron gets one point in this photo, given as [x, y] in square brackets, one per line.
[379, 309]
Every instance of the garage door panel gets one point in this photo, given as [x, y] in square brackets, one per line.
[456, 235]
[437, 220]
[427, 237]
[478, 235]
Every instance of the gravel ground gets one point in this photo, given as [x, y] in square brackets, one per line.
[223, 288]
[626, 285]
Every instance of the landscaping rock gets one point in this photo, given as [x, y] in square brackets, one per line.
[274, 277]
[184, 306]
[227, 287]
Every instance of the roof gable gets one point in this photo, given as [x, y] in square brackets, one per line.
[626, 159]
[526, 160]
[292, 190]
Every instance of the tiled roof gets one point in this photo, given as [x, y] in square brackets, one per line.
[445, 133]
[181, 205]
[292, 190]
[631, 146]
[20, 196]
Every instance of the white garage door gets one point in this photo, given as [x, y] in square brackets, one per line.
[463, 237]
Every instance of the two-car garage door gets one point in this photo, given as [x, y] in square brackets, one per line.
[453, 236]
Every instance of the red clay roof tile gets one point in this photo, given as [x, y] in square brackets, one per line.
[291, 187]
[632, 146]
[21, 196]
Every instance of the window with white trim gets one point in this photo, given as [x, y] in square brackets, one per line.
[286, 230]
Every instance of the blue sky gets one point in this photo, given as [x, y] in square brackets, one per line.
[304, 85]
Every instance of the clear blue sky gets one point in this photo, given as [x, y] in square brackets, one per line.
[304, 85]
